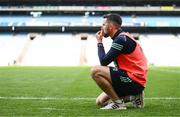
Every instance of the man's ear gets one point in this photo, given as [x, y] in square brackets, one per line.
[111, 26]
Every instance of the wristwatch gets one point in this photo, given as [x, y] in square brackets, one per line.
[100, 45]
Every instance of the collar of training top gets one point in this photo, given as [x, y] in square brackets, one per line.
[116, 34]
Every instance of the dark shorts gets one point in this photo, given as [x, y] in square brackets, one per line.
[122, 84]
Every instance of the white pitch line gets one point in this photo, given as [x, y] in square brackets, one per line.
[44, 98]
[75, 98]
[167, 70]
[162, 98]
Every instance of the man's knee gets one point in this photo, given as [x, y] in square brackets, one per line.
[95, 71]
[99, 102]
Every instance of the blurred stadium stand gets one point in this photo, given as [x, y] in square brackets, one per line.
[61, 22]
[144, 16]
[91, 2]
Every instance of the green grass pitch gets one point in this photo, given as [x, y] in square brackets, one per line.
[70, 91]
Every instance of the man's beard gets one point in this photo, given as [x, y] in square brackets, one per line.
[106, 35]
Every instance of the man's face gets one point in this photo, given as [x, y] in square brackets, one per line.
[106, 28]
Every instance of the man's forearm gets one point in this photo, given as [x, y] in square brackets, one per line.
[101, 52]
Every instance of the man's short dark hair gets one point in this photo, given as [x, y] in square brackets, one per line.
[116, 18]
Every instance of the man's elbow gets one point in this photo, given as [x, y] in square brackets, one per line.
[103, 63]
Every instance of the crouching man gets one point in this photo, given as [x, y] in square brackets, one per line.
[126, 81]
